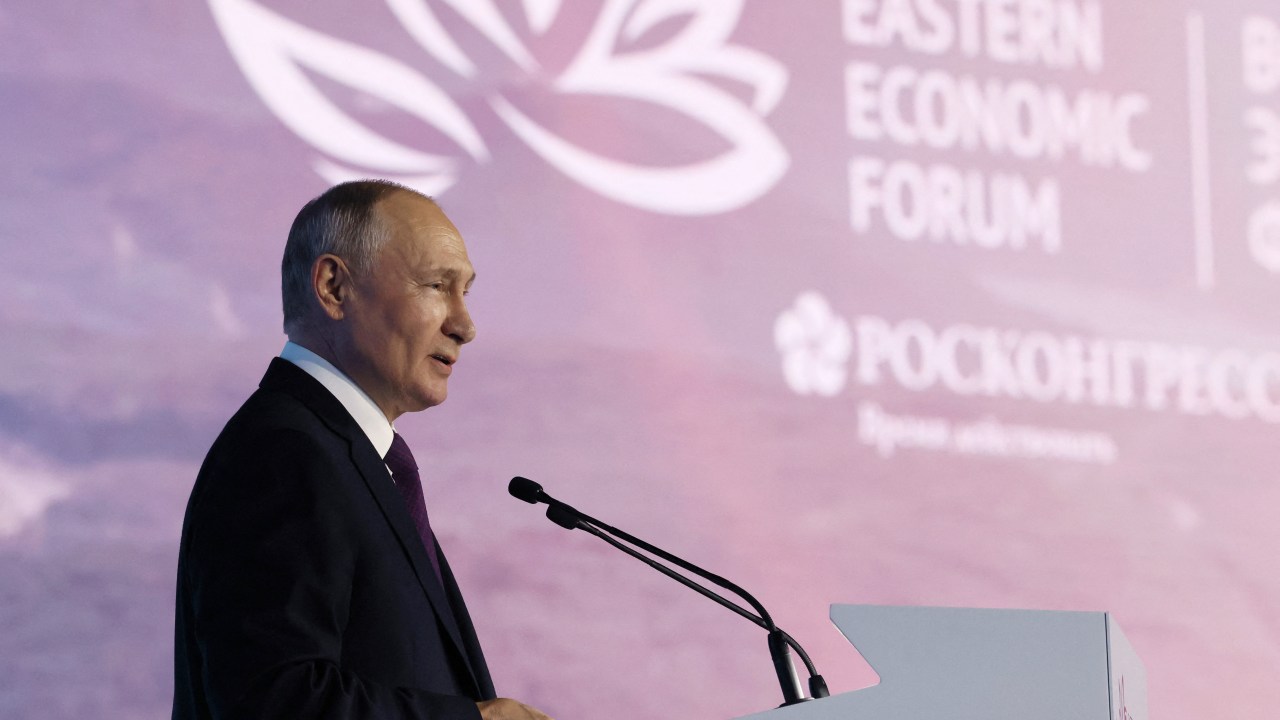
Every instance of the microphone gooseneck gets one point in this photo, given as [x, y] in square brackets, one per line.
[570, 518]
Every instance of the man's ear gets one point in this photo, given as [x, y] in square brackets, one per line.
[333, 284]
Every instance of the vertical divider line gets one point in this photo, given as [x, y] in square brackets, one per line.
[1201, 190]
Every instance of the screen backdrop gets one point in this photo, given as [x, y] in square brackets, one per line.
[928, 302]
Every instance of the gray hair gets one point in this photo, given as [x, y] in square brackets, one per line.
[342, 221]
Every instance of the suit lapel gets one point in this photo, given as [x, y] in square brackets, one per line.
[384, 492]
[285, 376]
[475, 657]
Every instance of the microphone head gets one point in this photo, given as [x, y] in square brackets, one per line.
[525, 489]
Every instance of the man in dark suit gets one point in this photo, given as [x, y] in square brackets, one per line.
[310, 584]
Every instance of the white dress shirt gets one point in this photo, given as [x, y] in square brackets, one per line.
[366, 412]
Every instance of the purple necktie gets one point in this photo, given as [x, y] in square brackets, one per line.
[404, 471]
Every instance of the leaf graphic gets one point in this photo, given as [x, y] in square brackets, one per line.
[541, 13]
[423, 26]
[680, 75]
[273, 51]
[709, 30]
[669, 76]
[484, 16]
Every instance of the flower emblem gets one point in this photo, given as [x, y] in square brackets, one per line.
[686, 75]
[815, 345]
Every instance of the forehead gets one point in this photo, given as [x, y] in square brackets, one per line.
[420, 234]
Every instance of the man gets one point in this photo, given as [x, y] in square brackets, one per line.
[310, 584]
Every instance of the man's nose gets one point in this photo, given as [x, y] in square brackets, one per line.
[459, 325]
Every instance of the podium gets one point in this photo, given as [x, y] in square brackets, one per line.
[979, 664]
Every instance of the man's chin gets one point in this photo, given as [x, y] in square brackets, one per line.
[429, 399]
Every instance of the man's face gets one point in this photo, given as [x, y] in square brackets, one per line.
[408, 318]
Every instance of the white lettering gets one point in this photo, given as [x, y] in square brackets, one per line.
[889, 433]
[1025, 120]
[1061, 34]
[1264, 374]
[1265, 168]
[944, 204]
[969, 360]
[864, 191]
[1264, 235]
[949, 362]
[1227, 378]
[1260, 45]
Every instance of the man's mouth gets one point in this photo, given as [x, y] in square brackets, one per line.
[445, 359]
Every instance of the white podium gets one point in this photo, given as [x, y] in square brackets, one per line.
[975, 664]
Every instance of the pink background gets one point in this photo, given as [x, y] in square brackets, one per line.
[626, 359]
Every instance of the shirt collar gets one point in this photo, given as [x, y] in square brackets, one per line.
[361, 407]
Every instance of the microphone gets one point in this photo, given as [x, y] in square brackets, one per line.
[532, 493]
[570, 518]
[527, 490]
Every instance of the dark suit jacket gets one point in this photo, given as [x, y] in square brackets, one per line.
[304, 590]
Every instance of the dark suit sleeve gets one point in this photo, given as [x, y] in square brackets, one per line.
[269, 561]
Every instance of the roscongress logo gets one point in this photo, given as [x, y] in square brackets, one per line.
[683, 75]
[822, 352]
[815, 345]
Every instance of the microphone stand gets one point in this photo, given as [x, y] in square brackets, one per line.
[779, 641]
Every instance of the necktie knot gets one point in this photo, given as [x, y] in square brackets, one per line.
[400, 458]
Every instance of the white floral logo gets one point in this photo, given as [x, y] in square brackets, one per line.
[815, 344]
[682, 75]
